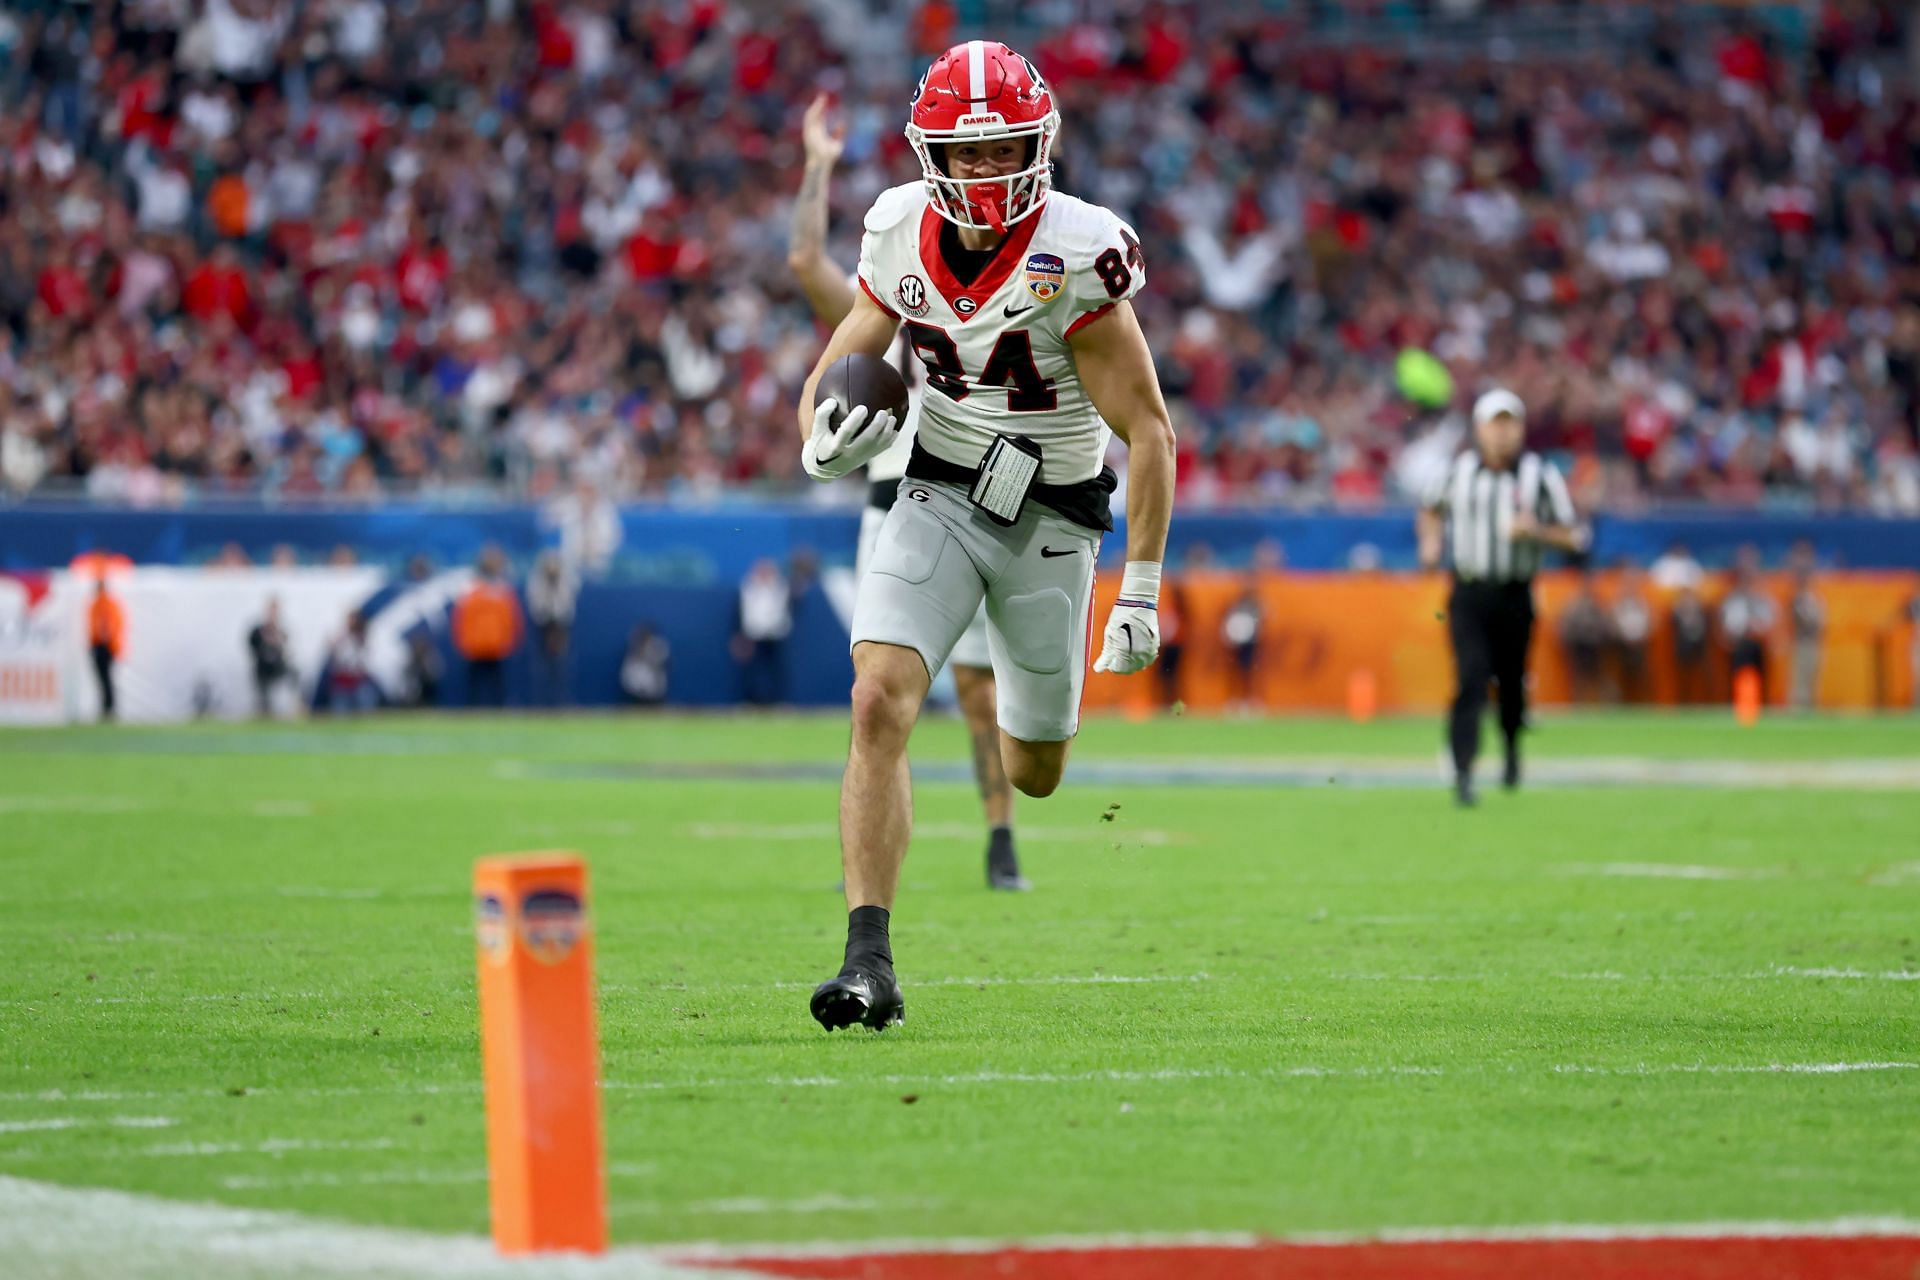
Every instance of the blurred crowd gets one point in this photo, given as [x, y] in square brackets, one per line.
[335, 248]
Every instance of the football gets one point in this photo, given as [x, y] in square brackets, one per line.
[867, 380]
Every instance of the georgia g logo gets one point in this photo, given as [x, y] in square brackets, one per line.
[911, 294]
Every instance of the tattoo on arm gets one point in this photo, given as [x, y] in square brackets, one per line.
[810, 212]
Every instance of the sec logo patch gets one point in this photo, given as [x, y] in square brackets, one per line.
[552, 923]
[911, 294]
[1046, 276]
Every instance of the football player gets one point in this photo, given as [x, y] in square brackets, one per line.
[1016, 301]
[830, 293]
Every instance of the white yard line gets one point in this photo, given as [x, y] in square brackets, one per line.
[1856, 975]
[269, 1147]
[1297, 1071]
[72, 1122]
[1057, 980]
[1733, 1069]
[829, 832]
[70, 804]
[394, 1177]
[1045, 980]
[49, 1232]
[827, 1203]
[1668, 871]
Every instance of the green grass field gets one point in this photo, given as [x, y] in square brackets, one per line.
[237, 965]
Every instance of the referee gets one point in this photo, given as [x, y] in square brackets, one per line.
[1496, 508]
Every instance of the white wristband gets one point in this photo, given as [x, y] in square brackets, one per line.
[1140, 584]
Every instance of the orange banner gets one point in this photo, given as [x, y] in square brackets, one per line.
[1313, 642]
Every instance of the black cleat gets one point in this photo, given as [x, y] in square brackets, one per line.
[1511, 779]
[1003, 872]
[1007, 880]
[866, 994]
[1463, 796]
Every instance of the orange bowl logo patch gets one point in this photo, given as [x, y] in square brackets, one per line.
[1046, 276]
[551, 924]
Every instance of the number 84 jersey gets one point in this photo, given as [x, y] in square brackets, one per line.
[995, 350]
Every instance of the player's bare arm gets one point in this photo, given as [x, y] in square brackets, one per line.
[1116, 368]
[821, 279]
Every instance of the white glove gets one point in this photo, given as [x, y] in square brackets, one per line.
[862, 437]
[1132, 639]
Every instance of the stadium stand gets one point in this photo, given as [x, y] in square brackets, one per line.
[343, 248]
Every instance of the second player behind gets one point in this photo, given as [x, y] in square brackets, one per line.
[1016, 301]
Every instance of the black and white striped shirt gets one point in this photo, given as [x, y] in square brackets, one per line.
[1480, 505]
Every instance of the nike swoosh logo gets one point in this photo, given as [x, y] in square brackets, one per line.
[1048, 553]
[1128, 628]
[1010, 313]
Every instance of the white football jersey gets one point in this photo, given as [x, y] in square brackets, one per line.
[995, 353]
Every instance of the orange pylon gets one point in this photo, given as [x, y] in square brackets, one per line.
[540, 1054]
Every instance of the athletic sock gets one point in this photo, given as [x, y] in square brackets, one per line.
[1000, 847]
[867, 935]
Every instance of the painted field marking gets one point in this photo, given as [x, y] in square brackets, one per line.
[71, 1122]
[131, 1237]
[826, 831]
[394, 1177]
[1058, 980]
[1304, 1071]
[825, 1203]
[1855, 975]
[269, 1147]
[1668, 871]
[70, 804]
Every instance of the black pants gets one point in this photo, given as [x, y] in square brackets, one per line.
[1491, 624]
[765, 674]
[103, 669]
[487, 682]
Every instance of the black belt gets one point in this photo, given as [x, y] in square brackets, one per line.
[882, 494]
[1085, 503]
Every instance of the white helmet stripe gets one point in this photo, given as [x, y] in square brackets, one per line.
[977, 63]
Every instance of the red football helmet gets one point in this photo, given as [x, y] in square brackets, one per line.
[983, 91]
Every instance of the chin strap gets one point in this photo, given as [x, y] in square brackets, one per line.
[988, 203]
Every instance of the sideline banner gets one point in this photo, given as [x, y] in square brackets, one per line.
[1317, 631]
[186, 652]
[42, 647]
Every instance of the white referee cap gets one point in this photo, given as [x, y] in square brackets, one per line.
[1496, 402]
